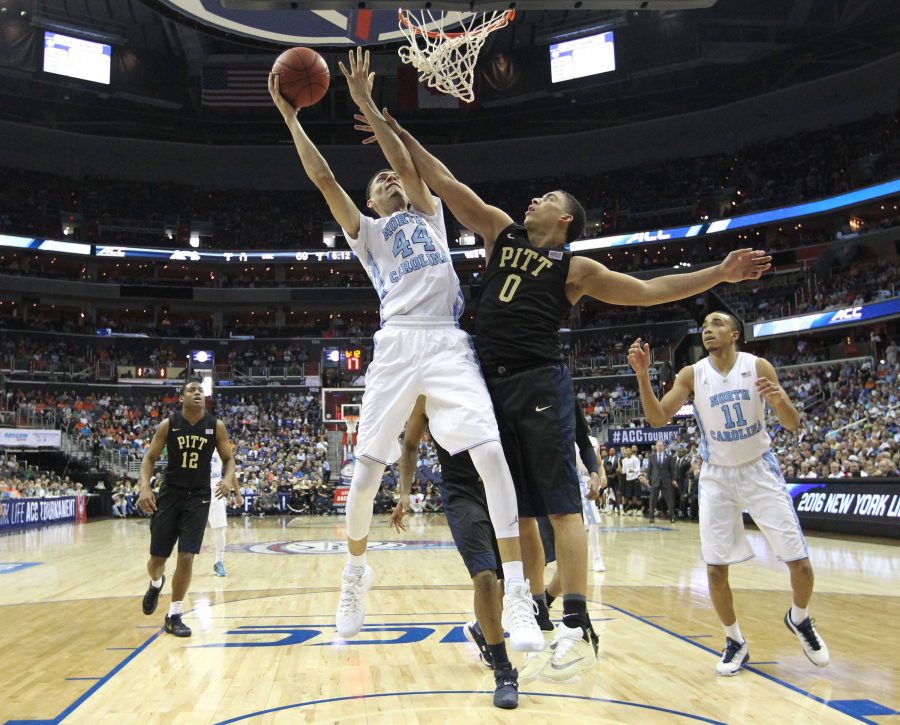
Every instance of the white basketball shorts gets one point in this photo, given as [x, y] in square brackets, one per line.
[217, 517]
[758, 487]
[424, 356]
[589, 510]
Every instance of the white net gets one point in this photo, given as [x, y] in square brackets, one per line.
[446, 60]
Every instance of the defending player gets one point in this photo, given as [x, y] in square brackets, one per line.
[530, 284]
[739, 471]
[419, 350]
[462, 493]
[182, 507]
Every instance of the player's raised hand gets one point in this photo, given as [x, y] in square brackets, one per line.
[744, 264]
[366, 127]
[281, 103]
[639, 357]
[359, 78]
[400, 510]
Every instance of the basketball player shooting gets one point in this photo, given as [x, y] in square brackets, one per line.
[420, 350]
[530, 284]
[739, 471]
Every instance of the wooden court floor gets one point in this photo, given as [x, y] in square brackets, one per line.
[75, 647]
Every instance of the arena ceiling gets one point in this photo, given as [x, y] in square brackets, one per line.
[672, 56]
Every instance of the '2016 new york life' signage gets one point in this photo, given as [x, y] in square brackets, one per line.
[859, 505]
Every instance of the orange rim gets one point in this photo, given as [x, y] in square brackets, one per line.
[508, 16]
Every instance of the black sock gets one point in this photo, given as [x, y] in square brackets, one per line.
[499, 658]
[550, 598]
[543, 614]
[575, 611]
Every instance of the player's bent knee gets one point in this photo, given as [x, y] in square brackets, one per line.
[485, 581]
[717, 575]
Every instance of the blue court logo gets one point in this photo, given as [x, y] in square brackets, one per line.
[334, 547]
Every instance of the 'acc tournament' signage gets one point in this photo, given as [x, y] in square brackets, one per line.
[29, 438]
[832, 318]
[642, 436]
[21, 512]
[869, 506]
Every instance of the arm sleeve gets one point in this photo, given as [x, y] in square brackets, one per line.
[583, 441]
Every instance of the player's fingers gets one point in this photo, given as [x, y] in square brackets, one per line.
[343, 70]
[372, 139]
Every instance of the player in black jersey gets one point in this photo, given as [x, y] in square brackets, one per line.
[182, 507]
[530, 284]
[465, 504]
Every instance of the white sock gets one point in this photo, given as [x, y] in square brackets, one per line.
[734, 632]
[174, 608]
[513, 573]
[798, 614]
[356, 561]
[219, 535]
[594, 541]
[156, 583]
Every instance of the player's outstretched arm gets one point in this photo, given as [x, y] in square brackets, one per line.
[659, 412]
[409, 453]
[469, 209]
[768, 386]
[146, 500]
[342, 208]
[588, 277]
[359, 83]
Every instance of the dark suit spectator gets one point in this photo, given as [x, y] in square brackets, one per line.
[662, 475]
[682, 469]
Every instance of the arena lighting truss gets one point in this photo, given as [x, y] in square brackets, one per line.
[655, 236]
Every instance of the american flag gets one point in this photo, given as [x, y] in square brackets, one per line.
[222, 86]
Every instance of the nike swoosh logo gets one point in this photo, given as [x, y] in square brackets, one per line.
[539, 409]
[567, 665]
[510, 236]
[207, 501]
[175, 430]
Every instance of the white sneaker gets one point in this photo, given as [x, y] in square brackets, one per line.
[518, 619]
[572, 655]
[351, 611]
[734, 656]
[598, 564]
[814, 646]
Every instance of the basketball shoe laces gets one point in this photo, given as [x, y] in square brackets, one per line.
[563, 645]
[809, 633]
[351, 594]
[523, 611]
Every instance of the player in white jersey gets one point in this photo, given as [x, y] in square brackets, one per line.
[419, 350]
[739, 471]
[218, 520]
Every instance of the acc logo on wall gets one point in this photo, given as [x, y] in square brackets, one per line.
[334, 547]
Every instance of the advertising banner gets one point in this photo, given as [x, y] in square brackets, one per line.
[29, 438]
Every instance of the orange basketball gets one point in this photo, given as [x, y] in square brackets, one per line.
[303, 76]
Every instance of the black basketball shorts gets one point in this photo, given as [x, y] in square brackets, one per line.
[181, 515]
[536, 415]
[470, 525]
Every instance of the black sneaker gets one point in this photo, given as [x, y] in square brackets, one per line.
[506, 693]
[472, 632]
[175, 626]
[151, 598]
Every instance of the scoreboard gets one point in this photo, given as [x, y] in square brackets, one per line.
[343, 358]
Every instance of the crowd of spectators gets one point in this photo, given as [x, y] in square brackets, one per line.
[680, 191]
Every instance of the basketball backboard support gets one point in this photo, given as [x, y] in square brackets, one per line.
[337, 23]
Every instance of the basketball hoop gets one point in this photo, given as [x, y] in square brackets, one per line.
[446, 61]
[350, 421]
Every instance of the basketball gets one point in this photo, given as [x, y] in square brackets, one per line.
[303, 76]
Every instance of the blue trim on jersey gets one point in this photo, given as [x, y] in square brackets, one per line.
[376, 275]
[772, 462]
[704, 447]
[460, 305]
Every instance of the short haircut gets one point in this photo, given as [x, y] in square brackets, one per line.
[372, 181]
[191, 379]
[735, 322]
[579, 219]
